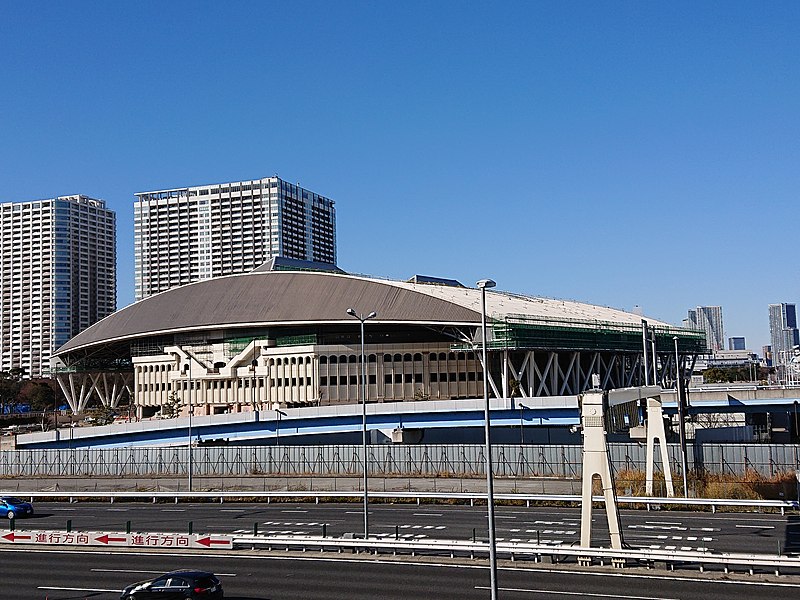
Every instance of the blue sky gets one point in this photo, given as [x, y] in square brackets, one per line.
[620, 153]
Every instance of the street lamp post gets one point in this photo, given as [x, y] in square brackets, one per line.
[278, 414]
[483, 284]
[681, 416]
[362, 319]
[522, 407]
[253, 365]
[191, 410]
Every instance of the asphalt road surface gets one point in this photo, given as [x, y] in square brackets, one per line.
[58, 575]
[722, 532]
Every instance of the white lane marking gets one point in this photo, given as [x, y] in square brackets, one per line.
[663, 523]
[498, 517]
[294, 511]
[238, 510]
[576, 574]
[75, 589]
[428, 514]
[63, 509]
[142, 572]
[563, 593]
[173, 510]
[755, 526]
[117, 509]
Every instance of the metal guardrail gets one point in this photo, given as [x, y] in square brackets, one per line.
[471, 497]
[535, 552]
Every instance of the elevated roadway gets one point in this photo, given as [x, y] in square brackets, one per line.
[403, 418]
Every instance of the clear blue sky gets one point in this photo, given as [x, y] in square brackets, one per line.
[620, 153]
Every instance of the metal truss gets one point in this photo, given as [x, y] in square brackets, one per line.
[534, 373]
[109, 387]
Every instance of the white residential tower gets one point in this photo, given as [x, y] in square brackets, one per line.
[57, 276]
[188, 234]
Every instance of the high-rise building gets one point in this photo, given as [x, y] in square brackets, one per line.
[736, 343]
[766, 352]
[783, 332]
[57, 276]
[188, 234]
[709, 320]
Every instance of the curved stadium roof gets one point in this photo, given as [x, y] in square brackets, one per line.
[307, 297]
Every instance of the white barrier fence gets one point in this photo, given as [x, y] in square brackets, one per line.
[454, 548]
[711, 504]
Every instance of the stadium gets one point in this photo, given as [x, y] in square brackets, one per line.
[281, 338]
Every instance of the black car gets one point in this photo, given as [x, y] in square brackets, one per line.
[176, 585]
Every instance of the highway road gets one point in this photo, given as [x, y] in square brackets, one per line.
[723, 532]
[60, 575]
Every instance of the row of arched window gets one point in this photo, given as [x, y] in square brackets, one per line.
[344, 359]
[155, 368]
[294, 360]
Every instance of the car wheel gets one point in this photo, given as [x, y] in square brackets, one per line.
[10, 514]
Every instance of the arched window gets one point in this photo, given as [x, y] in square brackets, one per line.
[442, 356]
[417, 357]
[451, 356]
[372, 358]
[398, 358]
[470, 356]
[407, 356]
[343, 359]
[323, 360]
[334, 359]
[432, 356]
[387, 358]
[462, 356]
[294, 360]
[352, 358]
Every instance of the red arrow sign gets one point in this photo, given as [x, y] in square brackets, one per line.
[208, 542]
[13, 537]
[106, 539]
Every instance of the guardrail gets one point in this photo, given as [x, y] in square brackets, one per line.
[465, 497]
[522, 551]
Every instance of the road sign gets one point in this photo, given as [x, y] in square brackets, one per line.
[116, 539]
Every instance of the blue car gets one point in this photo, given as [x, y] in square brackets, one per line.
[13, 508]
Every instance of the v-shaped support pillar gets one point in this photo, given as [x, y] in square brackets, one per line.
[655, 431]
[596, 462]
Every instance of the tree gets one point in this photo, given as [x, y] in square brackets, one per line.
[10, 386]
[38, 394]
[172, 407]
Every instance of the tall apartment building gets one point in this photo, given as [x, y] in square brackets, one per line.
[783, 332]
[709, 320]
[188, 234]
[57, 276]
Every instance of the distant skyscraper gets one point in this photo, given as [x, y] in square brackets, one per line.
[766, 351]
[57, 276]
[783, 332]
[709, 320]
[736, 343]
[187, 234]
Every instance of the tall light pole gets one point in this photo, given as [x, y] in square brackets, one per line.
[362, 319]
[278, 413]
[681, 416]
[191, 410]
[521, 429]
[483, 284]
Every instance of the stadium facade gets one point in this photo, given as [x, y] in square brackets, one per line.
[281, 337]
